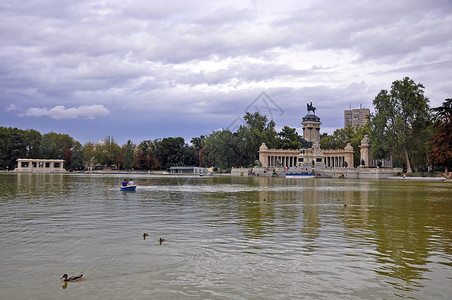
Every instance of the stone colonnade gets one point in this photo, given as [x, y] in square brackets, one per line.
[334, 161]
[289, 158]
[339, 158]
[272, 158]
[281, 161]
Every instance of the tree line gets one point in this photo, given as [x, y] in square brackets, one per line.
[222, 148]
[402, 127]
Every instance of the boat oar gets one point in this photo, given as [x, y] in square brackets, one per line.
[114, 185]
[142, 182]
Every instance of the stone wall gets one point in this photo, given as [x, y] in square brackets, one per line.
[346, 173]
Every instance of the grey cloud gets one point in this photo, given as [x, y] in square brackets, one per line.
[148, 53]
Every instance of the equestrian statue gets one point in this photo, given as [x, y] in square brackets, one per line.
[311, 108]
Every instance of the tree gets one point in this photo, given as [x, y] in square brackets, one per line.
[198, 145]
[222, 149]
[145, 158]
[128, 155]
[16, 147]
[88, 154]
[57, 145]
[441, 152]
[250, 137]
[400, 124]
[12, 146]
[77, 157]
[109, 153]
[290, 139]
[169, 151]
[49, 147]
[340, 138]
[33, 140]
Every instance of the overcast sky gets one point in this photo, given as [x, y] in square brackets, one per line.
[146, 69]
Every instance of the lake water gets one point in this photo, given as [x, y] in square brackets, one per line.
[226, 238]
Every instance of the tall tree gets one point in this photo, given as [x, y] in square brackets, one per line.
[401, 120]
[257, 130]
[128, 155]
[198, 145]
[340, 138]
[109, 153]
[290, 139]
[146, 157]
[48, 147]
[77, 157]
[12, 146]
[89, 154]
[16, 147]
[441, 152]
[222, 149]
[33, 140]
[169, 151]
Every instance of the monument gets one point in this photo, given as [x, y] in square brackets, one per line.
[309, 155]
[310, 158]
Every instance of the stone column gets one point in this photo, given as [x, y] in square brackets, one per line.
[263, 155]
[365, 147]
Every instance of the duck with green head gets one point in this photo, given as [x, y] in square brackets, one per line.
[73, 278]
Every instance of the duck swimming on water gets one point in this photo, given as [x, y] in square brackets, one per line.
[73, 278]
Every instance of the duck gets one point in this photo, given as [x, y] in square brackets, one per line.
[145, 235]
[73, 278]
[162, 240]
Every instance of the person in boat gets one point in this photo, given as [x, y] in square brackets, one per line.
[125, 182]
[131, 182]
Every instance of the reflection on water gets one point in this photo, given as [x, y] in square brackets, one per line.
[225, 237]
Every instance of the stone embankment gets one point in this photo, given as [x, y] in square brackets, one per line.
[351, 173]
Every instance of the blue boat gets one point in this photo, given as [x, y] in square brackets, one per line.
[128, 188]
[300, 175]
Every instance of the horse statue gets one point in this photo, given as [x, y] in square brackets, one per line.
[311, 108]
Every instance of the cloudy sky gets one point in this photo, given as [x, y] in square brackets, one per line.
[151, 69]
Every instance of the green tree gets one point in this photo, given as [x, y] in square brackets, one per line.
[109, 153]
[16, 147]
[128, 155]
[441, 143]
[88, 154]
[189, 156]
[169, 151]
[257, 130]
[342, 136]
[12, 146]
[198, 145]
[49, 146]
[33, 140]
[77, 157]
[400, 125]
[145, 157]
[222, 149]
[57, 145]
[290, 139]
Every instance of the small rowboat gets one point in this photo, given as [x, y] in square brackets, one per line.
[128, 188]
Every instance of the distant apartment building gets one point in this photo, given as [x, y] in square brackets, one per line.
[356, 116]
